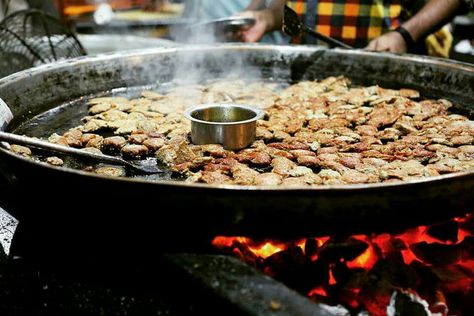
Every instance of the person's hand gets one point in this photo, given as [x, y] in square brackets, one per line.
[388, 42]
[263, 22]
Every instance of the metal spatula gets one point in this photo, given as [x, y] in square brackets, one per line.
[294, 27]
[143, 166]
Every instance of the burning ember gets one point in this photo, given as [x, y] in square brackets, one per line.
[430, 265]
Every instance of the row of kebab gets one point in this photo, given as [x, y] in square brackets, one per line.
[325, 132]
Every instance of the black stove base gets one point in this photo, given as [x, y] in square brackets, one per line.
[184, 284]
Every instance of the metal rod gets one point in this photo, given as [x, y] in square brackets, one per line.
[331, 41]
[28, 141]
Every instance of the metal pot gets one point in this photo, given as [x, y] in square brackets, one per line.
[174, 213]
[232, 125]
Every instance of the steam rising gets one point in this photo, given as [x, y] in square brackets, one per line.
[211, 62]
[216, 60]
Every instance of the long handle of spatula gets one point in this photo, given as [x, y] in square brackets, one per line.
[331, 41]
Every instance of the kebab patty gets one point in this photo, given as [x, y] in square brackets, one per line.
[314, 133]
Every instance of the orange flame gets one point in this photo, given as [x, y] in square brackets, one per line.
[332, 280]
[378, 246]
[366, 260]
[266, 250]
[263, 250]
[321, 240]
[318, 291]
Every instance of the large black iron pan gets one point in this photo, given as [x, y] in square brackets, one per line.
[119, 211]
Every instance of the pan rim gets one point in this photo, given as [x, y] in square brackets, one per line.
[292, 48]
[289, 49]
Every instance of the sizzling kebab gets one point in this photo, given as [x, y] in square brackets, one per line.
[314, 133]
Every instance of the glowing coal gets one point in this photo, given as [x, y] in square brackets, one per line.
[425, 267]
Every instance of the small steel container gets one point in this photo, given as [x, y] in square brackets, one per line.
[232, 125]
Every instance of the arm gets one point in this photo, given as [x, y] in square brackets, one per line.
[432, 16]
[276, 10]
[267, 20]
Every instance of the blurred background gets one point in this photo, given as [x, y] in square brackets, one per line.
[38, 31]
